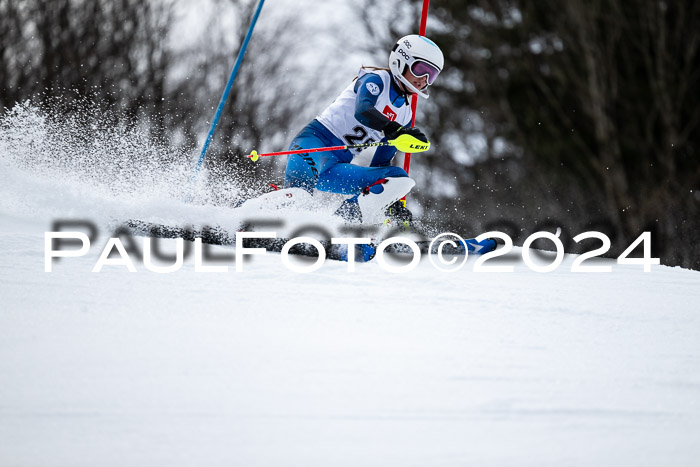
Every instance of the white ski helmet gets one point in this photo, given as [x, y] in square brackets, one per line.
[418, 54]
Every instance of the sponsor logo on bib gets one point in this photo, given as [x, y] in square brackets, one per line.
[388, 113]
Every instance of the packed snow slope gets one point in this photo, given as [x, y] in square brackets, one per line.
[269, 367]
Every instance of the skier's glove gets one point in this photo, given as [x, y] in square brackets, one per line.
[406, 139]
[391, 130]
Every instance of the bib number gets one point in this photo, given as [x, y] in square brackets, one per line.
[358, 137]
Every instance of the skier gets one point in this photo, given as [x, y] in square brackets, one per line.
[374, 107]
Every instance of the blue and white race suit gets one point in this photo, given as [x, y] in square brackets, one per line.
[357, 116]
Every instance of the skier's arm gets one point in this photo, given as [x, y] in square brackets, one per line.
[368, 89]
[382, 156]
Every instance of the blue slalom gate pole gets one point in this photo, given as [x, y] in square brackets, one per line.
[224, 96]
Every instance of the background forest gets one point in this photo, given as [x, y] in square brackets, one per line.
[582, 115]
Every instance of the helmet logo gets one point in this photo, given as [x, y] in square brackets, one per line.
[407, 44]
[404, 54]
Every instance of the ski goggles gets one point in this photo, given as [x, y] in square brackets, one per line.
[420, 68]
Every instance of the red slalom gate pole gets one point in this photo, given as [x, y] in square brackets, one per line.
[414, 99]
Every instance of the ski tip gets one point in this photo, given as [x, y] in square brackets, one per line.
[487, 245]
[254, 156]
[366, 253]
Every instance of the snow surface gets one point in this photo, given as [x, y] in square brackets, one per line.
[269, 367]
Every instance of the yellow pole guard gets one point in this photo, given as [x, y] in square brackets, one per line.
[410, 144]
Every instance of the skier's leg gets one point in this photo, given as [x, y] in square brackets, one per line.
[375, 188]
[348, 179]
[303, 169]
[374, 201]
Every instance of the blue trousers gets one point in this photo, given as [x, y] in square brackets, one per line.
[303, 169]
[348, 179]
[331, 170]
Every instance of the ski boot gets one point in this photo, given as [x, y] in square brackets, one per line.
[349, 211]
[398, 214]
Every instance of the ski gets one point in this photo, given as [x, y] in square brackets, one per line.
[216, 235]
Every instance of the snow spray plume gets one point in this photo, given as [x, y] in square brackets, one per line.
[73, 157]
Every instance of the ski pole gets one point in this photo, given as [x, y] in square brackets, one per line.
[403, 143]
[255, 156]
